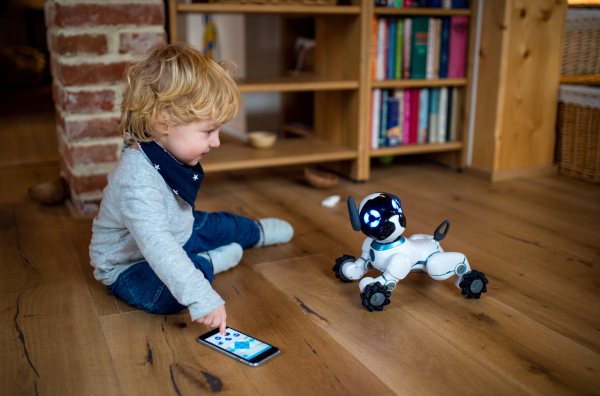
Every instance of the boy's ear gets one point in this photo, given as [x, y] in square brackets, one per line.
[161, 122]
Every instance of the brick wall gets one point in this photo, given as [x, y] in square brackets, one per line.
[91, 43]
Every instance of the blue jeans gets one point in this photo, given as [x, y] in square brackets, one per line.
[139, 285]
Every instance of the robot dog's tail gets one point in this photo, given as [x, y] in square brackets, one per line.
[438, 235]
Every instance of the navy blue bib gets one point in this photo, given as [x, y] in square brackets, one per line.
[184, 180]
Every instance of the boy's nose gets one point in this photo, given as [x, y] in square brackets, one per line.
[215, 142]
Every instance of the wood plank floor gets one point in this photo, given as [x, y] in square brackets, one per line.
[537, 330]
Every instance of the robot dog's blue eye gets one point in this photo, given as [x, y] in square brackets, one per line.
[371, 218]
[396, 205]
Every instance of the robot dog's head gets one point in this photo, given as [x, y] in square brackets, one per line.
[379, 216]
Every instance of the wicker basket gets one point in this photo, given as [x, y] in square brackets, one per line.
[578, 132]
[581, 50]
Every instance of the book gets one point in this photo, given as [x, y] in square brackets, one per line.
[430, 48]
[399, 94]
[418, 52]
[444, 47]
[407, 3]
[434, 113]
[437, 47]
[459, 26]
[380, 3]
[407, 111]
[423, 115]
[384, 117]
[420, 3]
[374, 43]
[446, 4]
[443, 115]
[460, 3]
[407, 47]
[391, 53]
[393, 130]
[398, 3]
[380, 48]
[376, 110]
[448, 114]
[386, 42]
[414, 115]
[435, 4]
[399, 46]
[454, 114]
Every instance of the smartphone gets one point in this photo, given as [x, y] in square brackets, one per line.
[239, 346]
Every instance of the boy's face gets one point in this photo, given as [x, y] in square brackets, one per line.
[189, 143]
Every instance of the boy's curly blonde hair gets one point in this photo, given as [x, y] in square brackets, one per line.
[180, 81]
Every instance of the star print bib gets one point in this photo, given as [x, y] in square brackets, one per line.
[184, 180]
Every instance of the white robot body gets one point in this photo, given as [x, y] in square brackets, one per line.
[381, 218]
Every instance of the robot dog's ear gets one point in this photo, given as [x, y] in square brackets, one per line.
[354, 217]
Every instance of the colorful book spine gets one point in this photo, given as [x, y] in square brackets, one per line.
[454, 114]
[460, 3]
[437, 47]
[435, 4]
[380, 3]
[384, 118]
[407, 3]
[407, 47]
[374, 43]
[380, 48]
[418, 53]
[449, 115]
[430, 49]
[445, 47]
[423, 115]
[414, 115]
[386, 42]
[376, 110]
[434, 114]
[459, 26]
[399, 46]
[391, 55]
[393, 131]
[447, 4]
[399, 94]
[443, 115]
[420, 3]
[398, 3]
[407, 102]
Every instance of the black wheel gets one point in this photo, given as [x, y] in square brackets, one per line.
[337, 268]
[375, 297]
[473, 284]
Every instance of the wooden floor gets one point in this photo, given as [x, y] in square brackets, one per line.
[537, 330]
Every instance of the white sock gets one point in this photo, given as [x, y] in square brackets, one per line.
[224, 257]
[274, 231]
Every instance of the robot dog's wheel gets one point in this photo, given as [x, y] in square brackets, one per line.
[473, 284]
[375, 296]
[337, 268]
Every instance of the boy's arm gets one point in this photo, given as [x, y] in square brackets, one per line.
[145, 215]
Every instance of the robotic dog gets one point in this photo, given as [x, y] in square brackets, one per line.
[381, 219]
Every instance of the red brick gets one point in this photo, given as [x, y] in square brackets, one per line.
[84, 184]
[92, 128]
[141, 43]
[80, 15]
[84, 101]
[92, 154]
[88, 73]
[96, 44]
[85, 207]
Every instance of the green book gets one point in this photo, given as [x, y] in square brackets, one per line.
[399, 45]
[418, 55]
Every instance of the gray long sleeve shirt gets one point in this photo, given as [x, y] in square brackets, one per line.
[140, 218]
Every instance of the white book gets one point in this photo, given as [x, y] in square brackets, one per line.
[381, 31]
[430, 49]
[375, 116]
[437, 48]
[399, 93]
[447, 4]
[443, 115]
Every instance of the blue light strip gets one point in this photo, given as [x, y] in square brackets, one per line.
[258, 353]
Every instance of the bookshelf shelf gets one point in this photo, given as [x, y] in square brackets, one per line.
[417, 149]
[296, 84]
[338, 93]
[215, 8]
[408, 12]
[441, 82]
[291, 151]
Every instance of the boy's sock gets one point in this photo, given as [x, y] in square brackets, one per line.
[224, 257]
[274, 231]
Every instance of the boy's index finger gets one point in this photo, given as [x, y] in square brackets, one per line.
[222, 327]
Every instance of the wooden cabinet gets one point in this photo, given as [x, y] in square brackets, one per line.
[341, 90]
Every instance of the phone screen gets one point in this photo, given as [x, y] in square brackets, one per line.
[238, 343]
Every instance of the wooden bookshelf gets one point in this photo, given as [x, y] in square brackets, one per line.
[341, 88]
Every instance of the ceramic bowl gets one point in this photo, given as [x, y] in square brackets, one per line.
[262, 139]
[319, 178]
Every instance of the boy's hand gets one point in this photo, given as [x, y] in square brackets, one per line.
[215, 318]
